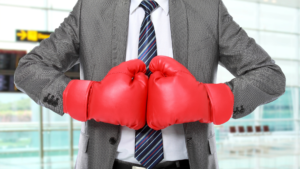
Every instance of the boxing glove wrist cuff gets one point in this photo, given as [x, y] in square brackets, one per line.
[221, 101]
[75, 99]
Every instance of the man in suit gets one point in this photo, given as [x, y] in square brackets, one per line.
[101, 34]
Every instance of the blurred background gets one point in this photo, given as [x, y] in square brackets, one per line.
[33, 137]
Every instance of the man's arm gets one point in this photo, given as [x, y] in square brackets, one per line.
[40, 73]
[258, 80]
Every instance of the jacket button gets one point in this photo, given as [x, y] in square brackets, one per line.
[46, 98]
[112, 141]
[242, 109]
[50, 101]
[55, 103]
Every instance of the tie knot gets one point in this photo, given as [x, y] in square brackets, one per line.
[148, 5]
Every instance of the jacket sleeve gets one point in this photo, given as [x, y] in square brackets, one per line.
[258, 80]
[40, 73]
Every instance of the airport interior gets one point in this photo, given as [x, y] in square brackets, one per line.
[34, 137]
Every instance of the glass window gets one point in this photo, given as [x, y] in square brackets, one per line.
[18, 108]
[55, 19]
[20, 18]
[278, 18]
[297, 104]
[290, 70]
[253, 34]
[17, 45]
[52, 119]
[298, 57]
[289, 3]
[18, 126]
[18, 143]
[279, 45]
[56, 134]
[299, 20]
[58, 4]
[223, 75]
[54, 160]
[282, 107]
[76, 134]
[27, 3]
[57, 140]
[244, 13]
[223, 130]
[279, 125]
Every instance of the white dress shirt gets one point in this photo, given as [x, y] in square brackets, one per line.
[173, 136]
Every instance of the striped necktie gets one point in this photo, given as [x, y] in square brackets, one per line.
[148, 142]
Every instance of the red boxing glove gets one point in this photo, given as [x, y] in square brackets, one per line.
[175, 96]
[120, 98]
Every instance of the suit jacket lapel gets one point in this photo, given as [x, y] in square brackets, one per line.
[120, 32]
[178, 22]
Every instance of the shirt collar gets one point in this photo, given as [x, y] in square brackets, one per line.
[164, 4]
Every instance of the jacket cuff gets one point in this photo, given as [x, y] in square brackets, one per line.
[75, 99]
[221, 101]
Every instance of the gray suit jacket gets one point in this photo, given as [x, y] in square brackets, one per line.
[203, 35]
